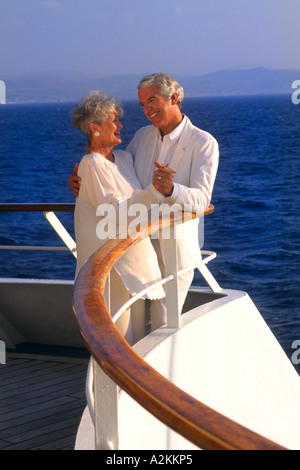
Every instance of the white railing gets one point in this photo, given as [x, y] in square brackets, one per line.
[212, 432]
[173, 317]
[61, 232]
[105, 418]
[117, 365]
[52, 220]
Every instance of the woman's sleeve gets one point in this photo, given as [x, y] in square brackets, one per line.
[95, 186]
[99, 190]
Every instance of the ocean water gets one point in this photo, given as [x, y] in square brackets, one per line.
[255, 228]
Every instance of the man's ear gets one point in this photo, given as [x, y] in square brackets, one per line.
[174, 98]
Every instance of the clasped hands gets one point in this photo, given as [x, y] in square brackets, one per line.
[163, 179]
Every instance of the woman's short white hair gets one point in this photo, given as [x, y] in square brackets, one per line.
[95, 108]
[167, 85]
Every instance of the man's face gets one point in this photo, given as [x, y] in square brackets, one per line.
[156, 108]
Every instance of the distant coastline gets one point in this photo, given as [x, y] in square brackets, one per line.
[67, 86]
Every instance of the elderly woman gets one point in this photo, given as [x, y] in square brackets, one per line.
[107, 179]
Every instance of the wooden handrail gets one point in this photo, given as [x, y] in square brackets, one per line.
[37, 207]
[195, 421]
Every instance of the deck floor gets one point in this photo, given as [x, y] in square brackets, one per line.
[42, 399]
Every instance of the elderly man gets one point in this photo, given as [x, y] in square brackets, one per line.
[172, 142]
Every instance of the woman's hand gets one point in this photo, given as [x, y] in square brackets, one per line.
[163, 179]
[74, 181]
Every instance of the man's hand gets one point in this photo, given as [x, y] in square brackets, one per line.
[74, 181]
[163, 179]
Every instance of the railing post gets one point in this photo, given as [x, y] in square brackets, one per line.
[171, 287]
[106, 410]
[105, 400]
[208, 277]
[61, 232]
[102, 397]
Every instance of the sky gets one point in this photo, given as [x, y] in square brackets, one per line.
[116, 37]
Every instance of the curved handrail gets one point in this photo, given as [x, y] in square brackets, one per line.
[195, 421]
[37, 207]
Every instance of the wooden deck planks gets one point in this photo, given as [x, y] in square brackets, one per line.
[42, 399]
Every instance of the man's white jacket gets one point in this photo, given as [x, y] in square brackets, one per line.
[195, 162]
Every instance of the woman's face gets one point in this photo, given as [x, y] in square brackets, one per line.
[110, 131]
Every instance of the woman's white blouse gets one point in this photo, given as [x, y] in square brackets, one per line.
[104, 182]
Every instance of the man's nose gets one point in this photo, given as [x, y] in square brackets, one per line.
[147, 108]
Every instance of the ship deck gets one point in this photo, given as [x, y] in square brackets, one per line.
[42, 397]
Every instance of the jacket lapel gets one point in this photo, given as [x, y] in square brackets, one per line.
[182, 144]
[144, 163]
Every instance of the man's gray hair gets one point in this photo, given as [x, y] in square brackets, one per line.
[167, 85]
[95, 108]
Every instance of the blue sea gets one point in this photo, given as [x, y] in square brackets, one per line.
[255, 228]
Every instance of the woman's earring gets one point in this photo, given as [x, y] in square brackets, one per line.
[96, 134]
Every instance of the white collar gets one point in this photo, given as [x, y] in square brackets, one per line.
[175, 133]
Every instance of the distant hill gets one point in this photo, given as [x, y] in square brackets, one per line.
[242, 82]
[64, 86]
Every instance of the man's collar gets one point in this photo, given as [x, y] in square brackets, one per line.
[175, 133]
